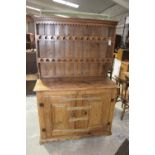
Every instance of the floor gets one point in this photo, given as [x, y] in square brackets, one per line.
[102, 145]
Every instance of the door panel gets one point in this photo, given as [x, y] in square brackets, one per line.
[60, 97]
[48, 118]
[95, 116]
[100, 106]
[106, 108]
[58, 115]
[61, 116]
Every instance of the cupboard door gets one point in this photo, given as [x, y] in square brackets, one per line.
[47, 119]
[59, 115]
[44, 110]
[100, 107]
[95, 115]
[107, 104]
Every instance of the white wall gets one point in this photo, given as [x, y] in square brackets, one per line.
[119, 29]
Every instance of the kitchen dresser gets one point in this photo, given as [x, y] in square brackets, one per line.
[74, 96]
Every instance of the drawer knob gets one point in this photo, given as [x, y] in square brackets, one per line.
[41, 104]
[43, 130]
[108, 123]
[84, 112]
[112, 100]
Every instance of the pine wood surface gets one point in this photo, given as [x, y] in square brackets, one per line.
[56, 84]
[75, 110]
[74, 97]
[74, 47]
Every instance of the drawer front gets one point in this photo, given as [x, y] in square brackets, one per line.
[61, 116]
[59, 113]
[59, 96]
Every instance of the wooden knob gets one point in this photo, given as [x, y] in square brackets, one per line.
[112, 100]
[84, 112]
[43, 130]
[108, 123]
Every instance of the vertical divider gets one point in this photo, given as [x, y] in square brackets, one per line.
[54, 64]
[82, 51]
[73, 51]
[36, 30]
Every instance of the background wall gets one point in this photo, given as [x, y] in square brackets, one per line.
[120, 26]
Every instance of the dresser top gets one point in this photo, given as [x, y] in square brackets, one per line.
[54, 85]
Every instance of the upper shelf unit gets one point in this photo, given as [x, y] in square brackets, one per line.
[74, 47]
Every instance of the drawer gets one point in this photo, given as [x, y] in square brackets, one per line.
[60, 98]
[97, 92]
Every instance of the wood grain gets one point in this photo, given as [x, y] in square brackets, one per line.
[75, 99]
[77, 112]
[74, 46]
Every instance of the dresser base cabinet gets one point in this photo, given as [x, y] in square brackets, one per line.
[74, 110]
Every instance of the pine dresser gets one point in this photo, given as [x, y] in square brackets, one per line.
[74, 96]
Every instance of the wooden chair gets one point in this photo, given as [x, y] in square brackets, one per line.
[123, 94]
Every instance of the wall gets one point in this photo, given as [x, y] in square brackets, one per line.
[120, 26]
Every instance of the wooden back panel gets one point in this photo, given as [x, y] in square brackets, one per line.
[74, 47]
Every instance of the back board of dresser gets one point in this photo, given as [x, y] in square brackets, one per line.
[74, 47]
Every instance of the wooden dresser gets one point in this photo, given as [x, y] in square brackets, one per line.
[75, 98]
